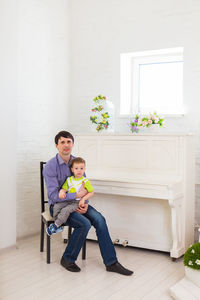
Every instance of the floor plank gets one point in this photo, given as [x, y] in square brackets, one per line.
[25, 275]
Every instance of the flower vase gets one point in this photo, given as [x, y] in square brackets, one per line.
[151, 129]
[107, 109]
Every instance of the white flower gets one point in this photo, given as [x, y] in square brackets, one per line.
[156, 120]
[197, 261]
[150, 121]
[192, 251]
[190, 263]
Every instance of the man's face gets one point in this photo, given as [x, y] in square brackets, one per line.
[65, 146]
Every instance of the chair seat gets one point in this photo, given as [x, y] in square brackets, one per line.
[46, 215]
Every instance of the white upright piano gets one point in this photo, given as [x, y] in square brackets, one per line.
[144, 186]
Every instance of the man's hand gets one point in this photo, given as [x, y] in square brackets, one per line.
[81, 203]
[82, 210]
[82, 192]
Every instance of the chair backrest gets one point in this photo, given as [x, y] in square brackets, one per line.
[43, 201]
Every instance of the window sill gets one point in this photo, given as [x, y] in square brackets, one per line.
[177, 115]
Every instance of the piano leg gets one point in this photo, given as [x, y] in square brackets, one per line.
[173, 258]
[175, 204]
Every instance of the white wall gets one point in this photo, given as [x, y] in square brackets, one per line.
[8, 132]
[40, 42]
[43, 83]
[109, 28]
[102, 29]
[34, 78]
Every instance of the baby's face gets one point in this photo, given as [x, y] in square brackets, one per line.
[78, 169]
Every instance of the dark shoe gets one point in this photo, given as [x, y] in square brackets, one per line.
[118, 268]
[72, 267]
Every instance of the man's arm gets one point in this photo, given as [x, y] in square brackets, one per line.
[53, 187]
[88, 196]
[85, 198]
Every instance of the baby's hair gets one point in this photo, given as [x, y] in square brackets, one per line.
[77, 160]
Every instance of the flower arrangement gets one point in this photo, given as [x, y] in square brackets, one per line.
[192, 257]
[145, 121]
[100, 117]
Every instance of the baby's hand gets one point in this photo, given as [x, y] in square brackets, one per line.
[62, 194]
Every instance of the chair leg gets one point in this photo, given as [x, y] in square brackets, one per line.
[48, 249]
[42, 236]
[84, 250]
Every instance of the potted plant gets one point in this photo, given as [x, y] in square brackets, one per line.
[192, 263]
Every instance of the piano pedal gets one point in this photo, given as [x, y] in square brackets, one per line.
[116, 241]
[125, 243]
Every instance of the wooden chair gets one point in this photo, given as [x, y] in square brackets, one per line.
[47, 219]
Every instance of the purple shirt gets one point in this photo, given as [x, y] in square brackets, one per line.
[55, 173]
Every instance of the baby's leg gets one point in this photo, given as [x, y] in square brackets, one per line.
[54, 227]
[64, 213]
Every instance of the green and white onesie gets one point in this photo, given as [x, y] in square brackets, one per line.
[73, 185]
[62, 210]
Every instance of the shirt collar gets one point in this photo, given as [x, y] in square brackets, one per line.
[61, 161]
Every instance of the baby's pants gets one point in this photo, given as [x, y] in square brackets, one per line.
[62, 210]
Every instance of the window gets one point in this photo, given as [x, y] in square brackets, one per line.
[152, 81]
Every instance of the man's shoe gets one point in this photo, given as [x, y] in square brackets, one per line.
[72, 267]
[118, 268]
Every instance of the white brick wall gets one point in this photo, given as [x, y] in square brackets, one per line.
[100, 31]
[113, 27]
[197, 211]
[8, 121]
[43, 86]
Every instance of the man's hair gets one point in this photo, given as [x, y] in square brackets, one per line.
[77, 160]
[64, 134]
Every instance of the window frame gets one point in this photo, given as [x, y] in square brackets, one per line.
[129, 77]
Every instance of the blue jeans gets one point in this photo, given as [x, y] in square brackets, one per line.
[81, 225]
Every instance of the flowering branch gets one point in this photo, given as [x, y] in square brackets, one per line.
[100, 118]
[145, 121]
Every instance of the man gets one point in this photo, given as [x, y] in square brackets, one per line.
[55, 173]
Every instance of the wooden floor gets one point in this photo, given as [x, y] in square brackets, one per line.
[25, 275]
